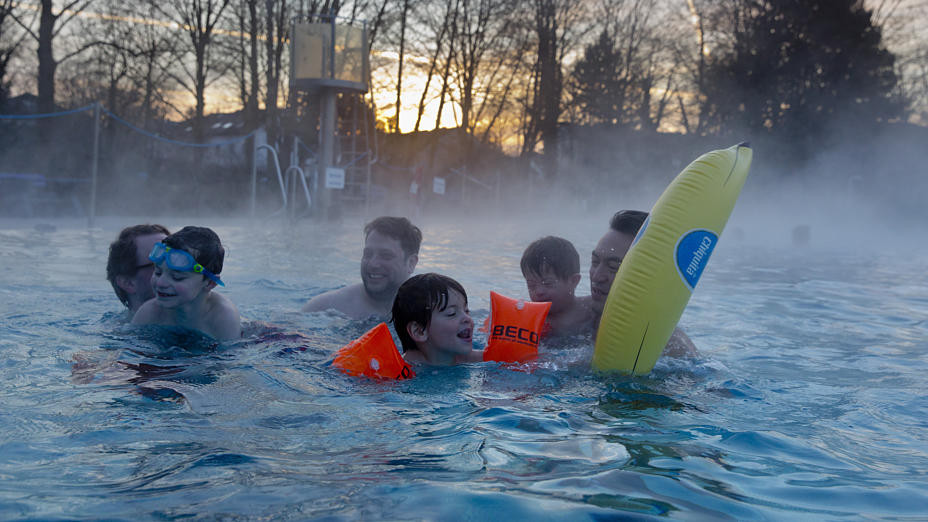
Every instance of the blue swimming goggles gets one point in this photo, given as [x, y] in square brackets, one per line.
[181, 261]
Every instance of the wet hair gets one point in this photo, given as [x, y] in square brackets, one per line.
[400, 229]
[628, 221]
[202, 243]
[122, 260]
[553, 252]
[417, 298]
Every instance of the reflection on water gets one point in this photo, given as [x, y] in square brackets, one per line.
[807, 400]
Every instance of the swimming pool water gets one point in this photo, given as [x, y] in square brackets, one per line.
[808, 400]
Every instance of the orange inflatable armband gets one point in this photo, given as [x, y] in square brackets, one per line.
[374, 355]
[515, 328]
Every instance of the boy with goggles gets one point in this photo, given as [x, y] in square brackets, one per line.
[181, 261]
[187, 266]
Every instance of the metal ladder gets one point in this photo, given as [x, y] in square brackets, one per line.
[356, 155]
[286, 180]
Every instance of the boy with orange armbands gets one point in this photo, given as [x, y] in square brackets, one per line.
[432, 320]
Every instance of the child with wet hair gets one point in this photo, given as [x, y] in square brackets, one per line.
[551, 268]
[187, 267]
[432, 320]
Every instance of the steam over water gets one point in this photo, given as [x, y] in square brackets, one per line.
[807, 400]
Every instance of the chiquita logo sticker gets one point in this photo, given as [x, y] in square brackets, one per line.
[692, 254]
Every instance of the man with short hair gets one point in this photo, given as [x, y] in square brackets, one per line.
[604, 264]
[128, 268]
[391, 251]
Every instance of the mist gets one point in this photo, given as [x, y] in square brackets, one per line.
[867, 188]
[835, 164]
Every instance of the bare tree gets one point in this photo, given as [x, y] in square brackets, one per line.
[558, 31]
[275, 39]
[483, 45]
[49, 30]
[10, 44]
[902, 22]
[101, 75]
[199, 19]
[245, 48]
[547, 102]
[151, 46]
[127, 70]
[439, 42]
[378, 21]
[404, 17]
[449, 60]
[690, 52]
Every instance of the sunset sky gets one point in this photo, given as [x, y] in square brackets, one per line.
[903, 32]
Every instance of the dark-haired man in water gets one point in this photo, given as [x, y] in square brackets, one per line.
[604, 264]
[391, 251]
[128, 268]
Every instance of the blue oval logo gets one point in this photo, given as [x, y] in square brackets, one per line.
[692, 253]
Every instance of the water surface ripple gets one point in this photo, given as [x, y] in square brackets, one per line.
[808, 400]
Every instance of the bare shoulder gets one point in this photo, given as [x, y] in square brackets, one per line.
[582, 314]
[577, 320]
[680, 345]
[415, 357]
[147, 313]
[224, 321]
[340, 299]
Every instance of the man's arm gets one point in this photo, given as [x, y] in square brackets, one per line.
[321, 302]
[316, 304]
[342, 300]
[680, 345]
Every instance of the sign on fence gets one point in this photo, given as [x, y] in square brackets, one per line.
[334, 178]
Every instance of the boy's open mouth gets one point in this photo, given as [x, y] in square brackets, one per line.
[466, 334]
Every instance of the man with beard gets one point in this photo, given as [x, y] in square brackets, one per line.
[605, 262]
[391, 251]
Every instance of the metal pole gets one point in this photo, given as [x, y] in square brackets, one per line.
[294, 162]
[254, 175]
[332, 74]
[94, 165]
[499, 184]
[326, 152]
[355, 168]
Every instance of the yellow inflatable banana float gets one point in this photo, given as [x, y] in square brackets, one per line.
[667, 257]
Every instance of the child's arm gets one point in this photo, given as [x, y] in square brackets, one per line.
[225, 323]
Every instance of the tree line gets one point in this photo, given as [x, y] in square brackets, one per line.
[512, 73]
